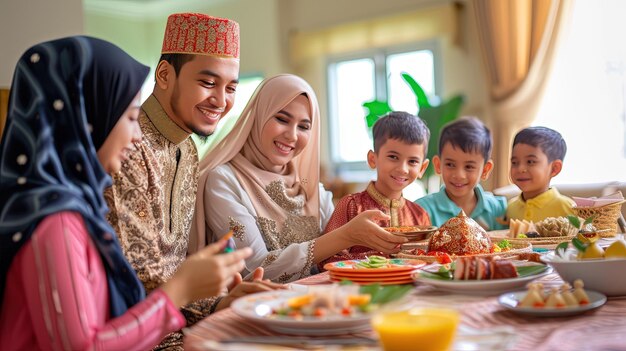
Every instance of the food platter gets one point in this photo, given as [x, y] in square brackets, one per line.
[393, 271]
[367, 281]
[527, 273]
[393, 265]
[258, 308]
[516, 248]
[510, 301]
[545, 241]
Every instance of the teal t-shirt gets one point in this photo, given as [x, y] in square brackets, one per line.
[488, 207]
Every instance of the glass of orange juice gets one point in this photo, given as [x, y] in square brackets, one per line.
[418, 329]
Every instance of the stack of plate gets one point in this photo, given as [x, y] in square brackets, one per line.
[414, 233]
[396, 271]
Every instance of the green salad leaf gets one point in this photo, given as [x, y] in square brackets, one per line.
[382, 294]
[522, 271]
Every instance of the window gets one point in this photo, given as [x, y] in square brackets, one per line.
[361, 78]
[585, 98]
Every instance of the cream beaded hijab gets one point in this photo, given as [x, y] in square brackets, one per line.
[242, 149]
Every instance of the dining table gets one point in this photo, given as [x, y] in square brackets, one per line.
[484, 325]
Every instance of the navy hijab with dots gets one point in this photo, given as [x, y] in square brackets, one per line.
[66, 96]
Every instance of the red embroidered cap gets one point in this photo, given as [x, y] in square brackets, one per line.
[197, 33]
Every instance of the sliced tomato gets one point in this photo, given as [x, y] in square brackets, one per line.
[443, 258]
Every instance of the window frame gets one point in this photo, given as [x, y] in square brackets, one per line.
[359, 170]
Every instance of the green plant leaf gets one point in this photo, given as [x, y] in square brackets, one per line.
[574, 220]
[422, 99]
[436, 117]
[376, 109]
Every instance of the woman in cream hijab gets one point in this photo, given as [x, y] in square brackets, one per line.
[262, 182]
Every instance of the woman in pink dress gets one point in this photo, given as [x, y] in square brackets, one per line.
[64, 281]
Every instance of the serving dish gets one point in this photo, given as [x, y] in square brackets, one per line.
[510, 301]
[602, 275]
[527, 272]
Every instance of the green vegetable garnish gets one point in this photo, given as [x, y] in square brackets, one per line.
[574, 220]
[504, 244]
[579, 245]
[382, 294]
[560, 249]
[373, 262]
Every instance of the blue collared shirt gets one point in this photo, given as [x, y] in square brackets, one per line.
[488, 207]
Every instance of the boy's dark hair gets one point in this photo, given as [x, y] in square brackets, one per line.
[176, 60]
[402, 126]
[469, 134]
[548, 140]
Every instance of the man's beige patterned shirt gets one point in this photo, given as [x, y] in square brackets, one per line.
[152, 202]
[153, 197]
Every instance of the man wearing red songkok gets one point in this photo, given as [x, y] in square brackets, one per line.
[153, 197]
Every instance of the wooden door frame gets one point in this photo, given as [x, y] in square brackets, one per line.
[4, 105]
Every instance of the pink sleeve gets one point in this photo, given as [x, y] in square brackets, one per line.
[67, 297]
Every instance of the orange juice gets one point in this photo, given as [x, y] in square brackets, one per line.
[422, 329]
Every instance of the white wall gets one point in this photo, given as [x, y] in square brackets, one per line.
[141, 33]
[24, 23]
[259, 25]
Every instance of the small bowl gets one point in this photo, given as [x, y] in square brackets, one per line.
[413, 233]
[603, 275]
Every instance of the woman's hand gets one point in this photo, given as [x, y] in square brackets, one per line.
[362, 230]
[204, 274]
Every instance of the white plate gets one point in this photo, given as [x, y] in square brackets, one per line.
[258, 308]
[511, 299]
[479, 287]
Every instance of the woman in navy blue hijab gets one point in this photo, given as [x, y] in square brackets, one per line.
[64, 281]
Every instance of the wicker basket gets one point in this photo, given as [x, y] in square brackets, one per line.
[543, 240]
[605, 217]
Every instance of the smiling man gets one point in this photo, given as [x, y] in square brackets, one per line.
[153, 196]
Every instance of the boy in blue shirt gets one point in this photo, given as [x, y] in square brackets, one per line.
[464, 160]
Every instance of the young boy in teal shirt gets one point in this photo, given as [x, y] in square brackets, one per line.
[464, 160]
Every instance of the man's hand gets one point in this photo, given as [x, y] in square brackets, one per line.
[243, 288]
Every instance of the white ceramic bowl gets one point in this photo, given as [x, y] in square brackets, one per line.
[604, 275]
